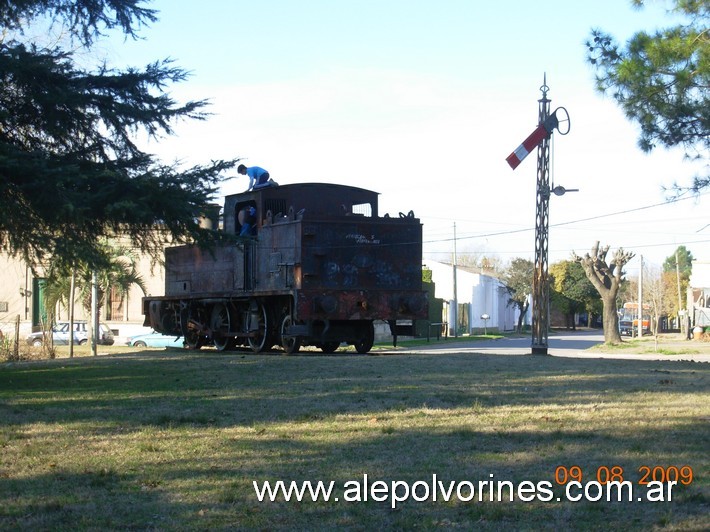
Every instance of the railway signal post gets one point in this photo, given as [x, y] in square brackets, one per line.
[540, 138]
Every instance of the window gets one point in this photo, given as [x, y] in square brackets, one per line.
[364, 209]
[276, 206]
[114, 305]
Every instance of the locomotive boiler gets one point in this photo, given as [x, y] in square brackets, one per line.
[309, 264]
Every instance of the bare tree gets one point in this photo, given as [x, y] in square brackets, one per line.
[657, 295]
[607, 279]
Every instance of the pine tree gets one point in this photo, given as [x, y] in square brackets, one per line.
[662, 81]
[71, 172]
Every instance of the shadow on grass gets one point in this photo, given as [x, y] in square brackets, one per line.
[226, 390]
[217, 492]
[192, 431]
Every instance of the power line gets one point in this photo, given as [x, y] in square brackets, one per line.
[570, 222]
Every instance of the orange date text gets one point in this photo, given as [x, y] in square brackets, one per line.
[616, 473]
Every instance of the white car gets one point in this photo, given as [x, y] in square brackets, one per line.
[155, 339]
[60, 334]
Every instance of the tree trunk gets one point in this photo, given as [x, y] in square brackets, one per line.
[523, 307]
[610, 319]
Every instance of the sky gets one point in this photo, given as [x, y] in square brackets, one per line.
[422, 101]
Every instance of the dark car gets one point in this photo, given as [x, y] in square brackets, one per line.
[60, 334]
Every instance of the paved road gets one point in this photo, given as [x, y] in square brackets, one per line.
[572, 344]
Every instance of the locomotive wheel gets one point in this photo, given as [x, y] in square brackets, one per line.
[292, 344]
[221, 324]
[329, 347]
[191, 320]
[365, 343]
[260, 327]
[194, 340]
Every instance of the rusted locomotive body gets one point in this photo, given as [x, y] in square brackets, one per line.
[316, 267]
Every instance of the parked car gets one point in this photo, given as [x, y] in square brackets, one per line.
[60, 334]
[155, 339]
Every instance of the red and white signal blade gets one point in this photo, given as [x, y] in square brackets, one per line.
[528, 145]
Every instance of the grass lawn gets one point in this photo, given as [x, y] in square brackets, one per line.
[665, 344]
[174, 439]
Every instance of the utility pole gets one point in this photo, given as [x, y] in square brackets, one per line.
[455, 314]
[72, 289]
[680, 304]
[640, 325]
[94, 312]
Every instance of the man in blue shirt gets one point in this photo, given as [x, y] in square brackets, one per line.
[248, 220]
[258, 177]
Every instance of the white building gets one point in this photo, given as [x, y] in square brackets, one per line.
[478, 295]
[698, 301]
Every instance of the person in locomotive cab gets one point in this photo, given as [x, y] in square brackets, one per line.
[247, 217]
[258, 177]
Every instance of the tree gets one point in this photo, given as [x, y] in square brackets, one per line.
[661, 81]
[480, 261]
[71, 172]
[678, 279]
[518, 283]
[658, 292]
[120, 274]
[571, 291]
[683, 258]
[607, 279]
[659, 289]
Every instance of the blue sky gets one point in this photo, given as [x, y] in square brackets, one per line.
[422, 101]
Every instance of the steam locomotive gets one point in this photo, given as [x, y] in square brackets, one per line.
[308, 264]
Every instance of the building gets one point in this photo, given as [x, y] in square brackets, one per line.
[482, 300]
[21, 295]
[698, 296]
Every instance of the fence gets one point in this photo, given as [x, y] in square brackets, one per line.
[13, 344]
[10, 339]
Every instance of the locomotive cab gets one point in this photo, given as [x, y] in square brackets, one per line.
[318, 200]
